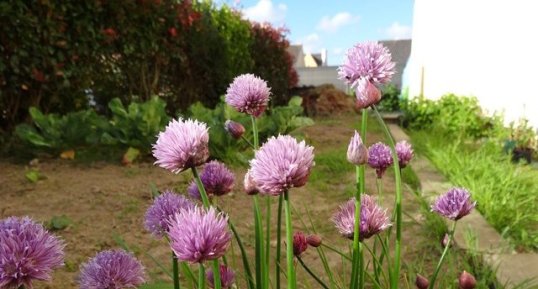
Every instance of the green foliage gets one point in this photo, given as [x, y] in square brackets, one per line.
[134, 126]
[58, 223]
[59, 54]
[451, 114]
[60, 132]
[506, 194]
[523, 134]
[390, 100]
[33, 175]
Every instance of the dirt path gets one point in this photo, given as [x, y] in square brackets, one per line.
[107, 202]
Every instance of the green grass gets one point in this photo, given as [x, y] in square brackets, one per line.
[506, 193]
[457, 260]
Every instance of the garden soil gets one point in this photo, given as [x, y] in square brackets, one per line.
[105, 204]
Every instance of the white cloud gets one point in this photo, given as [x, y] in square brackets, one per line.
[398, 31]
[332, 24]
[311, 43]
[266, 11]
[338, 51]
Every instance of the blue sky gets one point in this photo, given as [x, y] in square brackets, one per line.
[333, 24]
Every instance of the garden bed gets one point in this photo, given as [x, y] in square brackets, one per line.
[105, 204]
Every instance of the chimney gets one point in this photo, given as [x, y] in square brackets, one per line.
[323, 57]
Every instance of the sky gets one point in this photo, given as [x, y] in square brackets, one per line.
[335, 25]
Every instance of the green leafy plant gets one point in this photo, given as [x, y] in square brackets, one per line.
[136, 125]
[390, 99]
[58, 223]
[452, 114]
[56, 133]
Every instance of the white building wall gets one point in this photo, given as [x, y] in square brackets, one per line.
[485, 48]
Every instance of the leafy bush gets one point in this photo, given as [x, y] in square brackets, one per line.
[134, 126]
[55, 133]
[451, 114]
[57, 53]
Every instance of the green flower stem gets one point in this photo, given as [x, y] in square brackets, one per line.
[258, 230]
[292, 283]
[201, 277]
[357, 266]
[175, 269]
[278, 241]
[398, 179]
[188, 273]
[448, 243]
[267, 241]
[337, 251]
[311, 273]
[205, 201]
[262, 274]
[247, 141]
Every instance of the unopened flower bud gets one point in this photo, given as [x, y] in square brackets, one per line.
[422, 282]
[313, 240]
[299, 243]
[367, 93]
[444, 241]
[234, 128]
[250, 186]
[467, 281]
[357, 153]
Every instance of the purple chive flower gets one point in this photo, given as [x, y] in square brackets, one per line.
[300, 244]
[27, 252]
[227, 277]
[249, 94]
[373, 218]
[163, 208]
[197, 235]
[217, 179]
[379, 158]
[357, 153]
[404, 152]
[281, 163]
[249, 185]
[112, 269]
[235, 129]
[182, 145]
[454, 204]
[366, 66]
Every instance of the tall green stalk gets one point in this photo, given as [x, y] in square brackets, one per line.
[175, 269]
[448, 243]
[205, 201]
[201, 277]
[244, 257]
[262, 274]
[267, 241]
[357, 266]
[292, 283]
[320, 282]
[398, 180]
[278, 240]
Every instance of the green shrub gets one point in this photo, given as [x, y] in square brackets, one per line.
[56, 53]
[55, 133]
[390, 100]
[451, 114]
[136, 125]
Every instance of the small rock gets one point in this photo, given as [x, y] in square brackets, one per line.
[34, 162]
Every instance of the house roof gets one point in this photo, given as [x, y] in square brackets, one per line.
[317, 58]
[400, 50]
